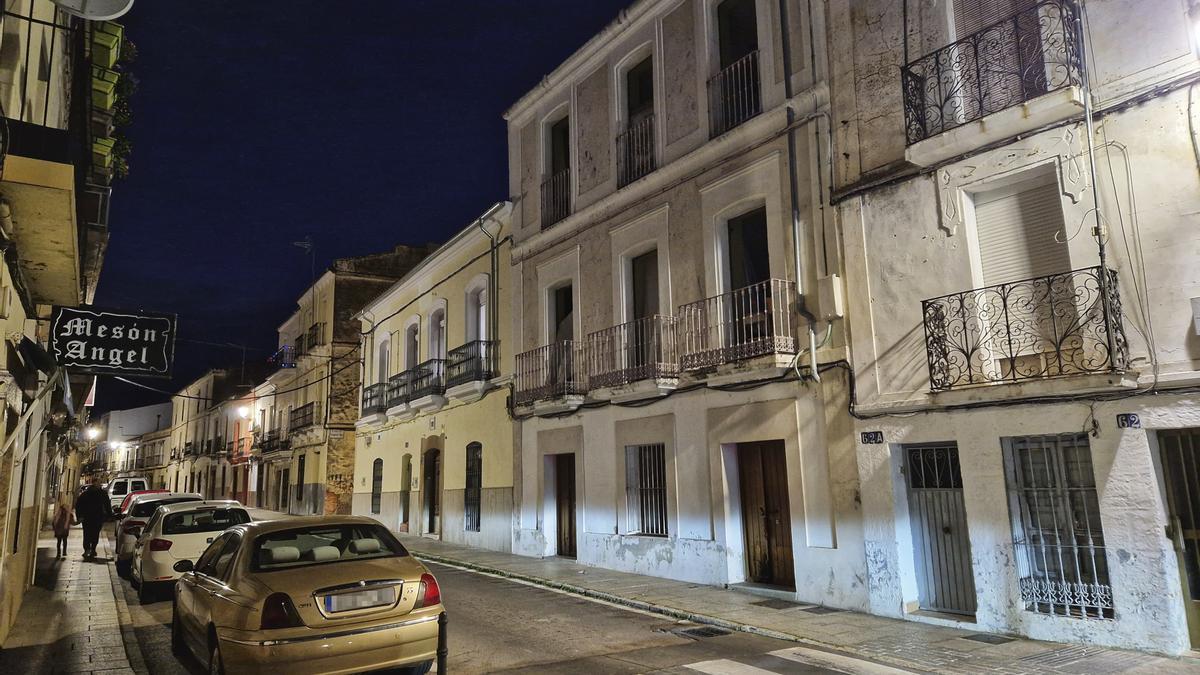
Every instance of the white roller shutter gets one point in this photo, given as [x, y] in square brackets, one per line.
[971, 16]
[1017, 229]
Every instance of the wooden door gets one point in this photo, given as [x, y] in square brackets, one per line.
[431, 487]
[766, 513]
[564, 500]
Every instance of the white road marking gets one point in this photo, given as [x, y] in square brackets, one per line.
[726, 667]
[845, 664]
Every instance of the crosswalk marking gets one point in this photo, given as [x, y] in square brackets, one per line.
[840, 662]
[726, 667]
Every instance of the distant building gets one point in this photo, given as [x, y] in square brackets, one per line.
[119, 431]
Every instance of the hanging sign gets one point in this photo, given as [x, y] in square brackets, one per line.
[110, 342]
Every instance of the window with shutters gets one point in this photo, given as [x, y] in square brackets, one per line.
[1021, 232]
[646, 489]
[472, 498]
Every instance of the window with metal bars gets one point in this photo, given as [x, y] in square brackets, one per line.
[646, 489]
[1057, 533]
[376, 485]
[472, 512]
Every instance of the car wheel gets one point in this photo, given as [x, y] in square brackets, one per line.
[145, 593]
[177, 646]
[215, 667]
[419, 669]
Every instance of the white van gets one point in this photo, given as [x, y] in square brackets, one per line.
[123, 485]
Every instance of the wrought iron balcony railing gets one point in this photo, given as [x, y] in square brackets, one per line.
[375, 398]
[1031, 53]
[743, 324]
[275, 441]
[635, 150]
[641, 349]
[1052, 326]
[427, 379]
[734, 95]
[191, 449]
[398, 388]
[472, 362]
[556, 197]
[556, 370]
[304, 417]
[284, 357]
[229, 446]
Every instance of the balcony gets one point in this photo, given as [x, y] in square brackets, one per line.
[751, 322]
[427, 385]
[303, 418]
[643, 350]
[734, 95]
[229, 447]
[274, 442]
[398, 388]
[555, 375]
[470, 368]
[635, 150]
[556, 197]
[190, 449]
[374, 400]
[1010, 63]
[313, 337]
[1046, 327]
[284, 357]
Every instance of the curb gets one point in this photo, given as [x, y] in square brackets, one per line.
[652, 608]
[133, 650]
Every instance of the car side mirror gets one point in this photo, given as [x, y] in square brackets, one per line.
[183, 566]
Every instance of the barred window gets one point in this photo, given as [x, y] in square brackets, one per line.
[1057, 534]
[471, 499]
[376, 485]
[646, 489]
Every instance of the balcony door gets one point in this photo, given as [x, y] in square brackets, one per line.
[643, 348]
[735, 91]
[746, 306]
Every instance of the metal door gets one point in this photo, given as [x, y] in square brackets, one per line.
[564, 500]
[1180, 450]
[766, 513]
[941, 546]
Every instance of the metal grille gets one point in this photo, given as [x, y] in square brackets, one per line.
[472, 512]
[942, 549]
[1033, 52]
[553, 371]
[472, 362]
[734, 95]
[635, 150]
[556, 197]
[646, 489]
[1051, 326]
[746, 323]
[1180, 450]
[376, 486]
[428, 379]
[638, 350]
[1057, 533]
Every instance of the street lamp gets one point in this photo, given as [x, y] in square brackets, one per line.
[243, 412]
[93, 433]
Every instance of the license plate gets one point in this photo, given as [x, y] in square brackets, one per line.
[374, 597]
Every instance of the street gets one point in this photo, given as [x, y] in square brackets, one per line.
[498, 625]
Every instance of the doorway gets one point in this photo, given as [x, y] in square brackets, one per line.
[941, 545]
[433, 506]
[564, 504]
[285, 479]
[1180, 450]
[766, 513]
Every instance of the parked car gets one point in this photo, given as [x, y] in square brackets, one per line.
[123, 485]
[324, 594]
[130, 527]
[179, 532]
[120, 510]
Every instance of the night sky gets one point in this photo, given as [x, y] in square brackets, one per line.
[258, 122]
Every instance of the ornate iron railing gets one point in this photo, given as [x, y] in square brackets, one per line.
[274, 441]
[428, 379]
[635, 150]
[472, 362]
[284, 357]
[556, 197]
[304, 417]
[556, 370]
[743, 324]
[1052, 326]
[734, 95]
[641, 349]
[374, 398]
[314, 336]
[1033, 52]
[398, 388]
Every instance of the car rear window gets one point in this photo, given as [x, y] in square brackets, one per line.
[147, 508]
[208, 520]
[119, 488]
[319, 544]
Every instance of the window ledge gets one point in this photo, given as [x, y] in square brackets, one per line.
[637, 391]
[370, 420]
[469, 392]
[429, 403]
[1075, 384]
[1018, 119]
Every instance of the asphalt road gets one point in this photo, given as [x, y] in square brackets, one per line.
[497, 625]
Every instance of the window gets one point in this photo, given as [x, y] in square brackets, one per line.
[383, 361]
[643, 285]
[473, 494]
[412, 346]
[476, 313]
[225, 559]
[1057, 533]
[562, 314]
[734, 93]
[376, 485]
[317, 544]
[1020, 230]
[204, 520]
[556, 184]
[208, 560]
[747, 255]
[437, 334]
[635, 145]
[646, 489]
[737, 31]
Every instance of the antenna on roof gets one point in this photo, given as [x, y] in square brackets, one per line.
[95, 10]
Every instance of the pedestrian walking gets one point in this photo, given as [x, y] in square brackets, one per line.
[92, 509]
[64, 517]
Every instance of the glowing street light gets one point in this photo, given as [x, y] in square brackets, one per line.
[243, 412]
[93, 433]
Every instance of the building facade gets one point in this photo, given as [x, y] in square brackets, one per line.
[434, 441]
[1018, 191]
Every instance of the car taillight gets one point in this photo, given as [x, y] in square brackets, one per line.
[160, 544]
[430, 594]
[130, 524]
[279, 612]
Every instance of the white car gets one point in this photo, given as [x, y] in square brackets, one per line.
[139, 510]
[179, 532]
[123, 485]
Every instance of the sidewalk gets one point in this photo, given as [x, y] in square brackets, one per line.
[903, 644]
[70, 619]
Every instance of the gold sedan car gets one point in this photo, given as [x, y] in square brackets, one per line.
[324, 594]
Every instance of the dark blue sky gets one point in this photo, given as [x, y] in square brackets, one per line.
[258, 122]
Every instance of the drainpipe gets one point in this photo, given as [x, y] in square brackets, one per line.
[493, 276]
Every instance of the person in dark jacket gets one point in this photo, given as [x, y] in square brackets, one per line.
[92, 509]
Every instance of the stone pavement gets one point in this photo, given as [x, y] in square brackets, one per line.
[892, 642]
[70, 620]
